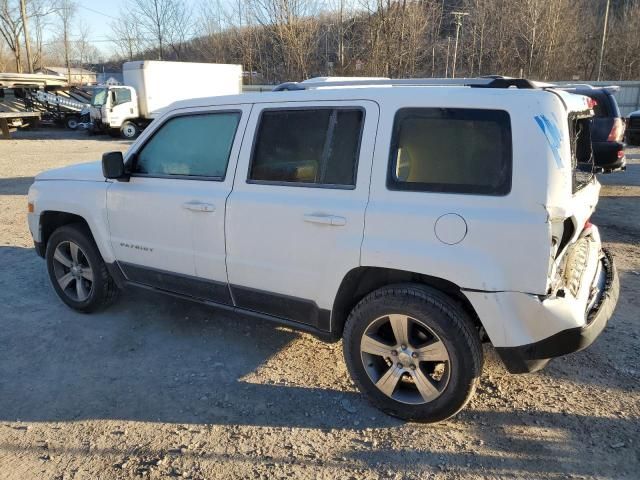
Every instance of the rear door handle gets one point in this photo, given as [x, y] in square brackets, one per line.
[196, 206]
[333, 220]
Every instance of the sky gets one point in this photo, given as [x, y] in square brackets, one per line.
[98, 15]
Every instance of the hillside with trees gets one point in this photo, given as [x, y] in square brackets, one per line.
[277, 40]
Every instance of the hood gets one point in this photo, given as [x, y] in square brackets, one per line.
[634, 114]
[91, 172]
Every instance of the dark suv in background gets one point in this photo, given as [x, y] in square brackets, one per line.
[633, 128]
[607, 129]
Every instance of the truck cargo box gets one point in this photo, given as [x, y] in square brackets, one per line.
[159, 84]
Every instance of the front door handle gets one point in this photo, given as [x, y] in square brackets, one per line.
[333, 220]
[196, 206]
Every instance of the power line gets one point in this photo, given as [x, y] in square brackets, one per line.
[98, 12]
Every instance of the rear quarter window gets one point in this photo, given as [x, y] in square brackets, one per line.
[451, 150]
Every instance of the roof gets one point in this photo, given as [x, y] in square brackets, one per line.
[447, 95]
[63, 71]
[11, 80]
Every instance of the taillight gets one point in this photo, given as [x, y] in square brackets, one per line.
[591, 103]
[587, 227]
[617, 131]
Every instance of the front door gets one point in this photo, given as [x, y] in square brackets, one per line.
[167, 222]
[295, 218]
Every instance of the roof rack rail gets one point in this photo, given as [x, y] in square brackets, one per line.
[487, 82]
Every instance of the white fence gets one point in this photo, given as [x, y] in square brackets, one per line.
[628, 97]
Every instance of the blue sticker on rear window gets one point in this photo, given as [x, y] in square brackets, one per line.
[553, 135]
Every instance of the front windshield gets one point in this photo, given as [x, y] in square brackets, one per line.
[99, 97]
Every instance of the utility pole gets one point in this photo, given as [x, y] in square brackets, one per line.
[27, 42]
[604, 38]
[459, 16]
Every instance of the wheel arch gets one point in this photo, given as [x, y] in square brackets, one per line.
[51, 220]
[361, 281]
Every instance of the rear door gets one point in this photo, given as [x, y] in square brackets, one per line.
[295, 218]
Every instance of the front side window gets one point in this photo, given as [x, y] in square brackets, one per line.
[451, 150]
[122, 95]
[318, 146]
[190, 145]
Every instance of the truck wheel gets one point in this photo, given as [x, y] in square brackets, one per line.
[129, 130]
[413, 351]
[76, 269]
[72, 122]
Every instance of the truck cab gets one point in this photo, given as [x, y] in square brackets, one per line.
[112, 106]
[151, 86]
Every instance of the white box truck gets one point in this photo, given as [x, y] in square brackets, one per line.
[150, 86]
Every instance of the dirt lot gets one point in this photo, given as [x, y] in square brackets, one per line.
[156, 387]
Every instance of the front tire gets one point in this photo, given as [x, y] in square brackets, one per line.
[413, 351]
[77, 272]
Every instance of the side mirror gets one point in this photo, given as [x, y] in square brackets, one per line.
[113, 166]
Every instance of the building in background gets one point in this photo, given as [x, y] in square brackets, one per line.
[110, 78]
[79, 76]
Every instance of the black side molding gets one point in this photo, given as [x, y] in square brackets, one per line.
[178, 283]
[283, 306]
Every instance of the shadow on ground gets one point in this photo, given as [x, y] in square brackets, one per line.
[44, 133]
[15, 185]
[149, 358]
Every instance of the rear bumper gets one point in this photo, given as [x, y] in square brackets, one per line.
[534, 356]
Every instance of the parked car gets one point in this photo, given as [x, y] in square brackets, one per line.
[409, 221]
[633, 128]
[607, 130]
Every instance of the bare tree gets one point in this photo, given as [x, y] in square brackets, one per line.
[295, 39]
[126, 35]
[11, 29]
[66, 11]
[84, 51]
[167, 22]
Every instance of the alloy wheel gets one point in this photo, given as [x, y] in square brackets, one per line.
[405, 359]
[73, 271]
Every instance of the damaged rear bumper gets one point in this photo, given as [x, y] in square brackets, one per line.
[534, 356]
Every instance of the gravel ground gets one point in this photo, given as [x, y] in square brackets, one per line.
[157, 387]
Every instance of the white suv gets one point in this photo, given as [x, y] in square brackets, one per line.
[411, 220]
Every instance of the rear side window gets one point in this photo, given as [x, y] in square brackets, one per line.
[451, 150]
[314, 147]
[190, 145]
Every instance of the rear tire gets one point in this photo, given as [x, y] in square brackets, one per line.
[77, 272]
[431, 373]
[129, 130]
[72, 122]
